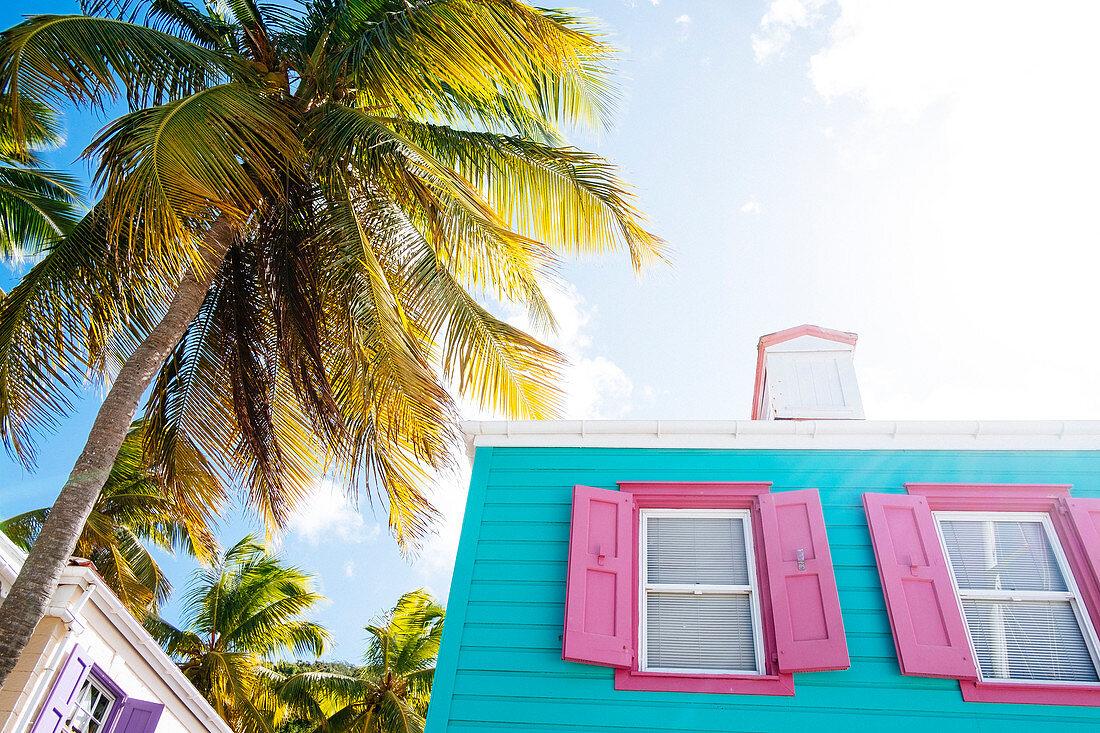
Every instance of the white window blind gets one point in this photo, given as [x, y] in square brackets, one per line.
[1023, 611]
[699, 607]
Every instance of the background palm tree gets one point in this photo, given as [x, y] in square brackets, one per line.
[296, 220]
[37, 205]
[390, 693]
[136, 510]
[246, 609]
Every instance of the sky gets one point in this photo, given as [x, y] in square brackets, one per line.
[921, 173]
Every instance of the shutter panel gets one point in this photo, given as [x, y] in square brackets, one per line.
[809, 629]
[599, 593]
[929, 632]
[138, 716]
[1085, 515]
[59, 702]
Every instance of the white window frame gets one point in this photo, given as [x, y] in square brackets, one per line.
[1071, 594]
[751, 590]
[104, 691]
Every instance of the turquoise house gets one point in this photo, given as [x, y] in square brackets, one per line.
[803, 570]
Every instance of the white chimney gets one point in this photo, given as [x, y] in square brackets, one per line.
[806, 373]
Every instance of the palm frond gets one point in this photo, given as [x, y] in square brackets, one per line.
[71, 316]
[54, 59]
[136, 510]
[36, 209]
[177, 17]
[471, 60]
[467, 234]
[569, 199]
[173, 167]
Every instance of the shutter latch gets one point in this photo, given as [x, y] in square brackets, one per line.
[600, 556]
[801, 559]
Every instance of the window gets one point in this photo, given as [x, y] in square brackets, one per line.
[91, 708]
[701, 587]
[84, 699]
[1022, 609]
[995, 585]
[699, 608]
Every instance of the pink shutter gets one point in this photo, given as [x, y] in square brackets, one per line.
[929, 631]
[138, 716]
[599, 596]
[1085, 515]
[809, 629]
[63, 693]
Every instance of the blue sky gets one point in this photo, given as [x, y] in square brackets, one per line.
[921, 173]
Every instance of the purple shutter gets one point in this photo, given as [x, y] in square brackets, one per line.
[63, 693]
[138, 716]
[929, 631]
[599, 594]
[809, 629]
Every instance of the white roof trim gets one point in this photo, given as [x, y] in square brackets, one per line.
[12, 558]
[787, 434]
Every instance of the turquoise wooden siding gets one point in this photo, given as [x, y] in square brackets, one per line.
[500, 666]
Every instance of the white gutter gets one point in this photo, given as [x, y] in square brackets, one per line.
[787, 434]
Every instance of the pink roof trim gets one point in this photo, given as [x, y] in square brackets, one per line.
[779, 337]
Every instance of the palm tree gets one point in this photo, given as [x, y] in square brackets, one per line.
[295, 222]
[137, 510]
[245, 609]
[390, 693]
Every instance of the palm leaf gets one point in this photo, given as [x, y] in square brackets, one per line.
[53, 59]
[36, 208]
[136, 510]
[469, 59]
[176, 166]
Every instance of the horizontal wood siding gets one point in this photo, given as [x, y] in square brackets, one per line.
[500, 666]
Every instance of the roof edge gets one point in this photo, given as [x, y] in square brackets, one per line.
[787, 434]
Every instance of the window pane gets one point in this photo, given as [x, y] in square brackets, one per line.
[686, 631]
[1002, 555]
[99, 710]
[707, 550]
[1029, 640]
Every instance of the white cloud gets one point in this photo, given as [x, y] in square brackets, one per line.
[751, 207]
[655, 2]
[684, 21]
[778, 23]
[328, 515]
[594, 386]
[349, 568]
[963, 141]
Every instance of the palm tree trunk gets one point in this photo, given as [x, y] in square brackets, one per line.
[26, 604]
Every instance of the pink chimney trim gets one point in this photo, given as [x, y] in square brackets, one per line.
[789, 334]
